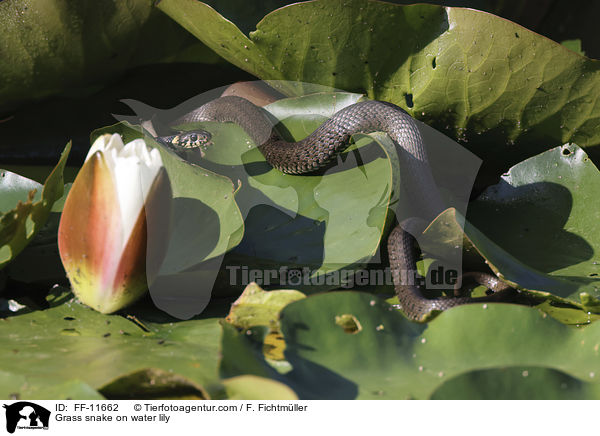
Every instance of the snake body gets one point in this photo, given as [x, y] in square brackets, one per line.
[332, 137]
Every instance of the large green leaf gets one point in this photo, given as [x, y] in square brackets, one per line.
[256, 307]
[72, 351]
[393, 358]
[538, 229]
[59, 46]
[25, 206]
[69, 342]
[505, 91]
[552, 194]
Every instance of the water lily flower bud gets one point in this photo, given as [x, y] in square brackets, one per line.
[113, 229]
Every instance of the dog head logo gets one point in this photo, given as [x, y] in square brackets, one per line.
[26, 415]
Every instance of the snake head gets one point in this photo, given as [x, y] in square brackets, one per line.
[192, 139]
[182, 143]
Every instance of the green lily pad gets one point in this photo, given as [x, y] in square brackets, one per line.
[258, 307]
[69, 342]
[444, 237]
[71, 351]
[51, 47]
[507, 92]
[25, 206]
[539, 226]
[393, 358]
[537, 230]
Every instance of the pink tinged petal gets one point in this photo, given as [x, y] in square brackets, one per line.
[90, 234]
[129, 279]
[144, 251]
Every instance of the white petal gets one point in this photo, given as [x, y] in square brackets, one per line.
[126, 172]
[105, 142]
[151, 163]
[115, 142]
[98, 145]
[133, 168]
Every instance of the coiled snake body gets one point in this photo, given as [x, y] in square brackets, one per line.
[320, 147]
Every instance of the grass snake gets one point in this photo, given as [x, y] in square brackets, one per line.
[320, 148]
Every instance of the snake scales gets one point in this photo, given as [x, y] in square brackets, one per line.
[320, 147]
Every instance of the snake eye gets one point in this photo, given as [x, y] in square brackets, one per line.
[193, 137]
